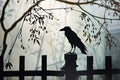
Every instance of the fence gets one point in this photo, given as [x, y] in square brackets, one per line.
[69, 69]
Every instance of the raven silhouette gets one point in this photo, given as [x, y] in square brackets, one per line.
[74, 39]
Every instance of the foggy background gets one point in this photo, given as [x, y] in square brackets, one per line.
[54, 43]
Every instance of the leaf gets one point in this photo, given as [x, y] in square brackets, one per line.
[98, 43]
[31, 35]
[81, 18]
[8, 65]
[88, 20]
[95, 36]
[93, 24]
[23, 47]
[44, 28]
[90, 40]
[31, 30]
[86, 40]
[51, 18]
[26, 19]
[98, 33]
[85, 27]
[33, 22]
[38, 32]
[17, 1]
[84, 34]
[30, 19]
[28, 39]
[34, 41]
[42, 22]
[31, 38]
[36, 37]
[38, 42]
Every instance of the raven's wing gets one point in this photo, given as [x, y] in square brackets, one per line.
[77, 42]
[72, 37]
[82, 47]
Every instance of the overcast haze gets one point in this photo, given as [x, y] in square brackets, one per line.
[54, 43]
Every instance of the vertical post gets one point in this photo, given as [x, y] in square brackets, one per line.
[89, 68]
[44, 67]
[108, 66]
[21, 67]
[70, 66]
[1, 68]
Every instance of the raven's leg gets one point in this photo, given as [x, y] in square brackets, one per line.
[71, 47]
[74, 48]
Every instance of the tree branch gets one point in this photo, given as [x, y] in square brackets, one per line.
[6, 31]
[88, 2]
[76, 3]
[16, 22]
[3, 14]
[95, 15]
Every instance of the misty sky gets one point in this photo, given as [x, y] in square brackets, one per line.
[54, 44]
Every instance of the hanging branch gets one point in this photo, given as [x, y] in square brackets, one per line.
[93, 2]
[3, 15]
[108, 5]
[6, 31]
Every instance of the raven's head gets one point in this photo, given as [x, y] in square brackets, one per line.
[66, 28]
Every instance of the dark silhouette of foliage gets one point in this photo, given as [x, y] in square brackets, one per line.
[35, 16]
[91, 30]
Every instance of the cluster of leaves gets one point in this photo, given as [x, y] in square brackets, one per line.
[13, 25]
[112, 3]
[34, 1]
[92, 32]
[112, 7]
[37, 16]
[8, 65]
[34, 36]
[34, 17]
[109, 40]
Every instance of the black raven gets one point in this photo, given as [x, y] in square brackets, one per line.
[74, 39]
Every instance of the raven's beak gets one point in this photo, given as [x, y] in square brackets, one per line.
[62, 29]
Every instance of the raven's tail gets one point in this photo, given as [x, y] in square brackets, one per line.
[83, 51]
[82, 48]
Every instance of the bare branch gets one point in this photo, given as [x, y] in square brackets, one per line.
[3, 14]
[95, 15]
[76, 3]
[107, 7]
[89, 2]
